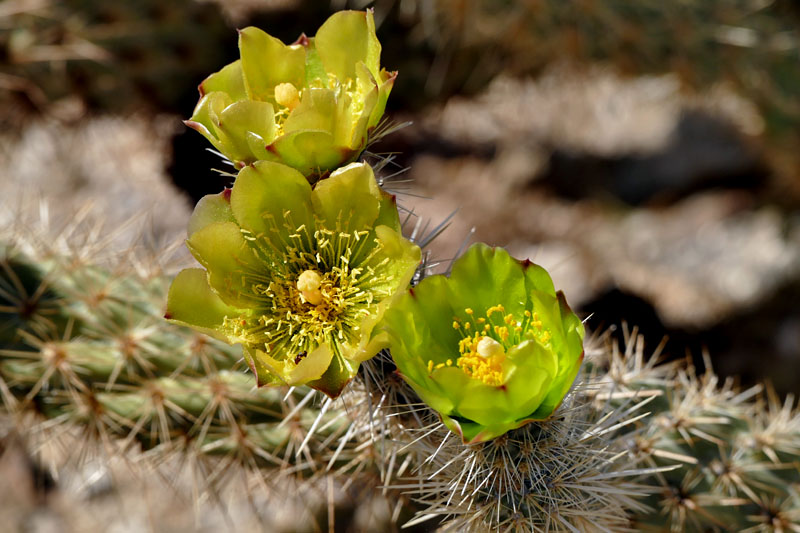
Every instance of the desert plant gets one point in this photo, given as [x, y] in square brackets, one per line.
[306, 271]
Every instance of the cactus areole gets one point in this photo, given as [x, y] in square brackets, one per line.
[491, 348]
[310, 105]
[298, 276]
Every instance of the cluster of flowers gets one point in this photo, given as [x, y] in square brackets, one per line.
[305, 264]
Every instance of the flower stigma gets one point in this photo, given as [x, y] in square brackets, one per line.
[287, 95]
[308, 283]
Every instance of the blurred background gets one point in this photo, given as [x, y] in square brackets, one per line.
[647, 153]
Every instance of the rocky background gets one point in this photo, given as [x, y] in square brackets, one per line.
[646, 153]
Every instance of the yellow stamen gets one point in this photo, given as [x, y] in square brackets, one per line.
[495, 309]
[484, 342]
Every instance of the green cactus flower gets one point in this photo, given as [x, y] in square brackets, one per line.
[310, 105]
[491, 348]
[298, 276]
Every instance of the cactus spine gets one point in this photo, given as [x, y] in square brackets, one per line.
[637, 445]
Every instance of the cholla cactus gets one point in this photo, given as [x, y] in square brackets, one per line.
[111, 362]
[308, 274]
[606, 459]
[299, 277]
[309, 105]
[740, 459]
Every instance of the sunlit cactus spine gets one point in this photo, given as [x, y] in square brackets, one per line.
[92, 348]
[635, 434]
[638, 445]
[115, 368]
[739, 450]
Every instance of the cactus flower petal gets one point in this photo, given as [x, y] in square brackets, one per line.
[346, 39]
[491, 348]
[191, 301]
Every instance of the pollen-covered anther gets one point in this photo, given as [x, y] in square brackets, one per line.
[287, 95]
[308, 283]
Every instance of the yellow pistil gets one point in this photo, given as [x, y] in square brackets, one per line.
[308, 283]
[287, 95]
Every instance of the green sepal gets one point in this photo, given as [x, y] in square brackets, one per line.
[340, 372]
[388, 214]
[270, 370]
[315, 70]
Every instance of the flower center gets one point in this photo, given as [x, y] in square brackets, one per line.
[484, 341]
[315, 287]
[288, 97]
[482, 358]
